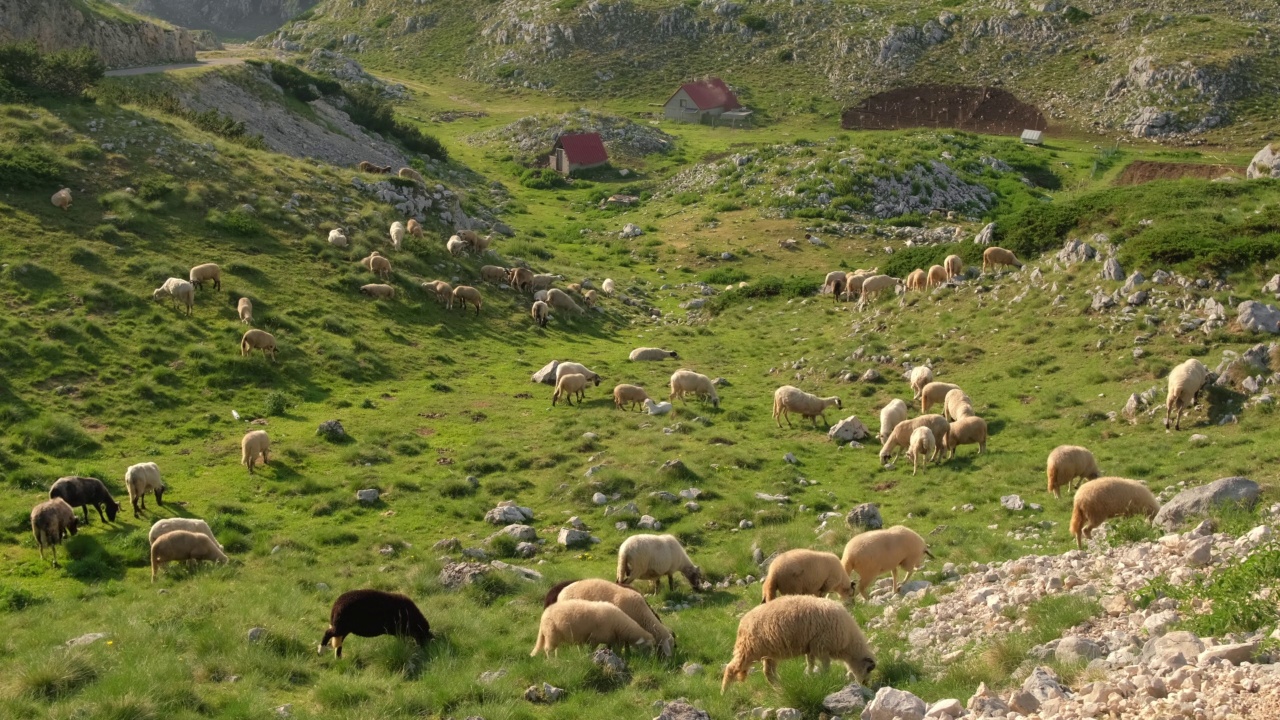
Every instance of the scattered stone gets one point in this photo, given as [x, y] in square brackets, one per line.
[865, 516]
[546, 693]
[845, 701]
[674, 466]
[788, 714]
[848, 430]
[648, 522]
[681, 710]
[1012, 502]
[1198, 439]
[368, 496]
[790, 458]
[1235, 653]
[522, 533]
[256, 634]
[570, 538]
[692, 668]
[1077, 650]
[611, 663]
[86, 639]
[1257, 317]
[1199, 501]
[332, 431]
[490, 676]
[599, 499]
[1199, 552]
[456, 574]
[508, 513]
[1043, 684]
[870, 376]
[949, 708]
[1111, 270]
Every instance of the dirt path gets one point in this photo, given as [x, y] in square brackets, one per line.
[178, 66]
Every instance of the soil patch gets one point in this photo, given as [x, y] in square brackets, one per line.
[977, 109]
[1145, 171]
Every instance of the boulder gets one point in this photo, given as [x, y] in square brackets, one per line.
[547, 375]
[332, 431]
[507, 515]
[986, 235]
[1256, 317]
[1265, 164]
[681, 710]
[1199, 501]
[455, 575]
[892, 704]
[1043, 684]
[522, 533]
[848, 430]
[1111, 270]
[1235, 653]
[845, 701]
[1179, 641]
[1075, 251]
[1012, 502]
[865, 517]
[945, 709]
[631, 230]
[1273, 285]
[1077, 650]
[368, 496]
[608, 661]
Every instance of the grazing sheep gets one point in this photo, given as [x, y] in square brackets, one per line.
[954, 266]
[482, 243]
[208, 271]
[141, 479]
[168, 525]
[540, 295]
[258, 340]
[875, 284]
[900, 437]
[470, 237]
[337, 237]
[51, 520]
[409, 173]
[366, 166]
[244, 308]
[1067, 463]
[853, 282]
[456, 246]
[587, 622]
[657, 408]
[541, 313]
[819, 629]
[935, 393]
[652, 557]
[686, 382]
[607, 286]
[921, 375]
[560, 300]
[994, 257]
[806, 572]
[543, 281]
[413, 227]
[921, 444]
[372, 613]
[183, 545]
[834, 283]
[567, 368]
[569, 385]
[467, 295]
[917, 279]
[82, 492]
[178, 290]
[378, 264]
[397, 234]
[789, 244]
[651, 353]
[590, 298]
[967, 430]
[937, 276]
[876, 552]
[253, 445]
[379, 291]
[620, 596]
[1100, 500]
[493, 274]
[629, 395]
[890, 415]
[442, 290]
[520, 278]
[1185, 383]
[62, 199]
[790, 399]
[957, 405]
[575, 288]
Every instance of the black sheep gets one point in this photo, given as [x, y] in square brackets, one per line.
[82, 492]
[370, 613]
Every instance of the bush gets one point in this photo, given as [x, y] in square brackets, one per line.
[755, 23]
[724, 276]
[542, 179]
[236, 222]
[210, 121]
[24, 69]
[368, 108]
[276, 404]
[792, 287]
[23, 166]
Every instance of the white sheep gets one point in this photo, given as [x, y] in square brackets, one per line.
[493, 274]
[571, 368]
[651, 353]
[819, 629]
[256, 339]
[569, 385]
[560, 300]
[337, 237]
[540, 295]
[954, 266]
[935, 393]
[183, 545]
[543, 281]
[921, 445]
[442, 290]
[470, 237]
[806, 572]
[253, 445]
[921, 375]
[541, 313]
[378, 264]
[141, 479]
[1186, 381]
[967, 430]
[587, 622]
[625, 599]
[62, 199]
[652, 557]
[875, 284]
[201, 274]
[687, 382]
[853, 281]
[481, 243]
[467, 295]
[409, 173]
[397, 234]
[52, 520]
[178, 290]
[244, 308]
[607, 286]
[876, 552]
[590, 298]
[790, 399]
[890, 415]
[657, 408]
[628, 396]
[994, 257]
[900, 437]
[834, 284]
[1100, 500]
[168, 525]
[956, 404]
[456, 246]
[1067, 463]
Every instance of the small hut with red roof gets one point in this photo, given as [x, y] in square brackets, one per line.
[578, 151]
[704, 101]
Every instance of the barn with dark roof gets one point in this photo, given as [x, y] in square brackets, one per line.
[703, 101]
[578, 151]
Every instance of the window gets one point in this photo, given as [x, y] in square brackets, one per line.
[681, 103]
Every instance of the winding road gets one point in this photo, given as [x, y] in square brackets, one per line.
[177, 66]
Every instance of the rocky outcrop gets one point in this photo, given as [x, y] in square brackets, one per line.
[1266, 164]
[228, 18]
[119, 40]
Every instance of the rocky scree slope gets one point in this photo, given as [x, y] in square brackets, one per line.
[227, 18]
[120, 39]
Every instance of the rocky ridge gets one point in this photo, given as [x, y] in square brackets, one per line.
[119, 40]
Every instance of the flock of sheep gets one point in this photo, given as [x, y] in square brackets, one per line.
[867, 284]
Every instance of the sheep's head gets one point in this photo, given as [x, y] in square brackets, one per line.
[694, 575]
[74, 526]
[158, 294]
[113, 507]
[862, 667]
[674, 355]
[160, 493]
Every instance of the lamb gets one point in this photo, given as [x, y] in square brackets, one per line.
[954, 266]
[890, 415]
[994, 257]
[413, 227]
[467, 295]
[569, 385]
[629, 395]
[255, 443]
[203, 273]
[560, 300]
[258, 340]
[1186, 381]
[921, 375]
[657, 408]
[819, 629]
[168, 525]
[900, 438]
[541, 313]
[1100, 500]
[651, 557]
[590, 298]
[1067, 463]
[921, 444]
[544, 281]
[456, 246]
[790, 399]
[876, 552]
[82, 492]
[834, 284]
[566, 368]
[806, 572]
[651, 353]
[587, 622]
[183, 545]
[62, 199]
[481, 243]
[178, 290]
[378, 264]
[244, 308]
[935, 393]
[957, 405]
[937, 276]
[372, 613]
[686, 382]
[624, 598]
[916, 279]
[442, 290]
[397, 234]
[493, 274]
[336, 237]
[607, 286]
[366, 166]
[967, 430]
[520, 278]
[874, 285]
[141, 479]
[52, 520]
[410, 174]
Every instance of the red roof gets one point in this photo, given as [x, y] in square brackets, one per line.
[711, 93]
[583, 149]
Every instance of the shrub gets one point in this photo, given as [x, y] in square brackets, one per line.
[23, 68]
[542, 179]
[23, 166]
[755, 23]
[367, 108]
[724, 276]
[276, 404]
[236, 222]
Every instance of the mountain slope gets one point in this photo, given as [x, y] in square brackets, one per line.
[119, 38]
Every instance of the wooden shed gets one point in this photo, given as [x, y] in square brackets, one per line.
[578, 151]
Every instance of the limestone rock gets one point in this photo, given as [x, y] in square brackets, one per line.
[865, 517]
[1198, 501]
[573, 538]
[845, 701]
[892, 704]
[1265, 164]
[546, 375]
[681, 710]
[1256, 317]
[1077, 650]
[848, 430]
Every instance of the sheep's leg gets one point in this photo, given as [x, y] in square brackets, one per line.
[337, 645]
[54, 549]
[787, 415]
[894, 573]
[863, 584]
[771, 671]
[85, 507]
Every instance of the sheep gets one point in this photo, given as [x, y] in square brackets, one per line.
[569, 385]
[853, 282]
[543, 281]
[372, 613]
[141, 479]
[994, 257]
[954, 266]
[607, 286]
[258, 340]
[890, 415]
[657, 408]
[520, 278]
[875, 284]
[806, 572]
[62, 199]
[442, 290]
[183, 545]
[540, 295]
[629, 395]
[900, 437]
[413, 227]
[936, 276]
[82, 492]
[935, 393]
[916, 279]
[1186, 381]
[337, 238]
[378, 264]
[921, 444]
[651, 557]
[410, 174]
[1067, 463]
[575, 288]
[967, 430]
[379, 291]
[834, 283]
[244, 308]
[651, 353]
[168, 525]
[560, 300]
[493, 274]
[51, 520]
[789, 244]
[366, 166]
[876, 552]
[685, 382]
[790, 399]
[456, 246]
[626, 599]
[586, 622]
[208, 271]
[255, 443]
[481, 243]
[178, 290]
[566, 368]
[467, 295]
[397, 233]
[1100, 500]
[470, 237]
[590, 298]
[921, 375]
[819, 629]
[541, 313]
[956, 404]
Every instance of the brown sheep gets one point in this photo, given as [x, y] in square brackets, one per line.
[51, 520]
[806, 572]
[520, 278]
[442, 290]
[819, 629]
[569, 385]
[1066, 464]
[876, 552]
[465, 294]
[629, 395]
[413, 227]
[968, 430]
[937, 276]
[1100, 500]
[917, 279]
[366, 166]
[954, 266]
[256, 339]
[994, 257]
